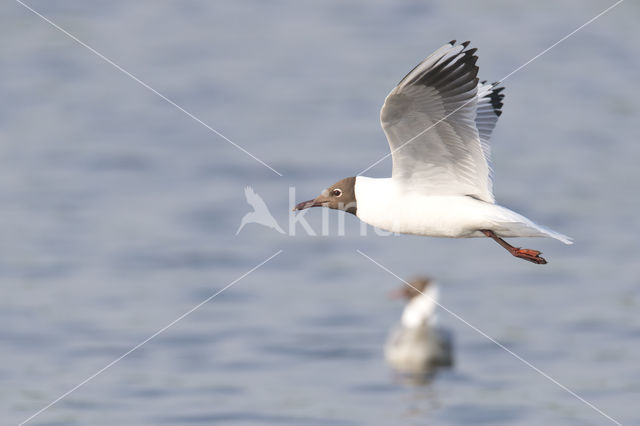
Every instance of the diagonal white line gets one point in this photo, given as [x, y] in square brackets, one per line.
[495, 84]
[561, 40]
[145, 85]
[500, 345]
[136, 347]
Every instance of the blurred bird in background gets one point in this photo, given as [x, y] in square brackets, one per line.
[418, 345]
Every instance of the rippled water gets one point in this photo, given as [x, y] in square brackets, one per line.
[120, 212]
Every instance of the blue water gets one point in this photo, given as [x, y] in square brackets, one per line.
[120, 212]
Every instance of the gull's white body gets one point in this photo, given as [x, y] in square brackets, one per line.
[417, 344]
[453, 216]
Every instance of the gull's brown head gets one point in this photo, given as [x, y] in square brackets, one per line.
[416, 286]
[340, 196]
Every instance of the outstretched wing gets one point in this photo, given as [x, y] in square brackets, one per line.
[430, 123]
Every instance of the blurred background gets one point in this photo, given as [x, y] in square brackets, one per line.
[119, 214]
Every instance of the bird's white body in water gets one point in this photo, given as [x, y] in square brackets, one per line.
[418, 345]
[438, 121]
[450, 216]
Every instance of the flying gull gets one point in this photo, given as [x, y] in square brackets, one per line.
[438, 121]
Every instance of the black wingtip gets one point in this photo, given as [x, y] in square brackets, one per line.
[455, 72]
[495, 97]
[452, 42]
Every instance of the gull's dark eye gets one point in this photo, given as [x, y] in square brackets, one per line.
[336, 192]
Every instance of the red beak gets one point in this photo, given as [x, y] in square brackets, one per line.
[306, 204]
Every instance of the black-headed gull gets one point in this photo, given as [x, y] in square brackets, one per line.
[438, 121]
[418, 345]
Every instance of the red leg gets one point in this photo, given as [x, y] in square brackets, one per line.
[526, 254]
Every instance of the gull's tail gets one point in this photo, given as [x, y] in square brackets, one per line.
[553, 234]
[512, 224]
